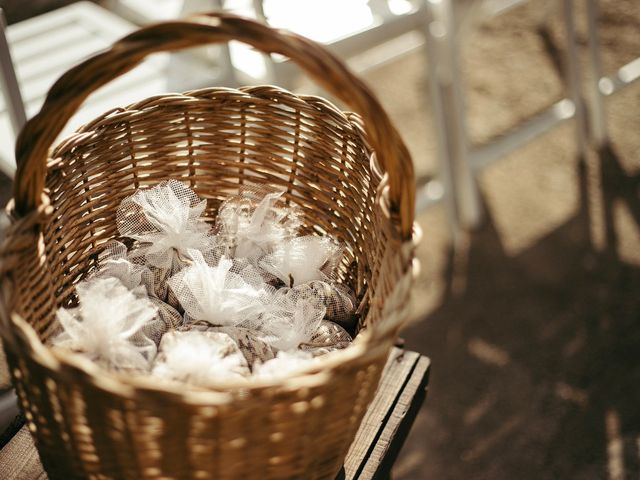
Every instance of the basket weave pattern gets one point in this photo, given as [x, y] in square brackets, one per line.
[89, 424]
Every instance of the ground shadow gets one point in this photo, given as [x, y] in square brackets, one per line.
[535, 363]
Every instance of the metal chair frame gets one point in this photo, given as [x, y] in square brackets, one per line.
[460, 162]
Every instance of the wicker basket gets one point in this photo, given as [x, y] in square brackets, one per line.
[92, 424]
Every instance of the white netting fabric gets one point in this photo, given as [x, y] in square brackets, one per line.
[113, 263]
[252, 347]
[284, 364]
[328, 336]
[254, 223]
[106, 325]
[218, 295]
[199, 358]
[339, 301]
[290, 318]
[302, 259]
[256, 298]
[168, 318]
[165, 221]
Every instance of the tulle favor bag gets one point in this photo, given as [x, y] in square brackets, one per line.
[348, 176]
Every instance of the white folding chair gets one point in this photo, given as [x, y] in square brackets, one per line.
[460, 161]
[37, 51]
[348, 30]
[13, 98]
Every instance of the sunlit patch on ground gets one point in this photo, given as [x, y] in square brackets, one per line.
[488, 353]
[615, 453]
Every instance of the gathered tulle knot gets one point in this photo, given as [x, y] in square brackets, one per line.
[252, 224]
[199, 358]
[108, 318]
[216, 294]
[165, 221]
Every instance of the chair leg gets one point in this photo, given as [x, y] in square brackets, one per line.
[597, 110]
[574, 76]
[9, 82]
[462, 198]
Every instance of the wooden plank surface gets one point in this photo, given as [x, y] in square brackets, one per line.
[19, 458]
[397, 428]
[387, 422]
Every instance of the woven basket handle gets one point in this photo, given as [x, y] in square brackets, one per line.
[68, 93]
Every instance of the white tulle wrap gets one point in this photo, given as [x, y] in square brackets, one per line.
[284, 364]
[106, 325]
[166, 221]
[302, 259]
[258, 299]
[216, 294]
[338, 300]
[290, 318]
[199, 358]
[254, 224]
[327, 337]
[113, 263]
